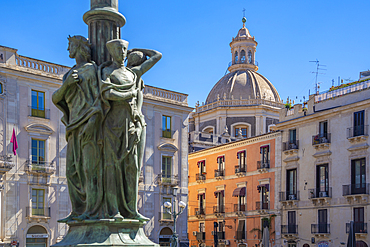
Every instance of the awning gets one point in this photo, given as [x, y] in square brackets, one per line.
[239, 191]
[201, 161]
[266, 146]
[240, 152]
[217, 192]
[259, 187]
[202, 194]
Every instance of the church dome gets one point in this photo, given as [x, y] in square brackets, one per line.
[243, 81]
[243, 84]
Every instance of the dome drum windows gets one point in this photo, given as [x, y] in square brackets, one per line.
[236, 57]
[250, 57]
[242, 56]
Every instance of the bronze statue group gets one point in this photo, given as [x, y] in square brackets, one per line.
[105, 129]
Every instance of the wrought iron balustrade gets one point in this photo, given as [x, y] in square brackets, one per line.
[355, 189]
[360, 130]
[359, 227]
[239, 207]
[290, 145]
[200, 177]
[319, 193]
[321, 138]
[263, 164]
[288, 196]
[262, 205]
[37, 212]
[289, 229]
[320, 228]
[219, 209]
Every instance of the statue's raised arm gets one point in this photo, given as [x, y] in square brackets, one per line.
[138, 61]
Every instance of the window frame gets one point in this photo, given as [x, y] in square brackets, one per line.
[37, 210]
[166, 130]
[36, 111]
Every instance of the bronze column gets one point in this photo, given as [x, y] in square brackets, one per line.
[104, 23]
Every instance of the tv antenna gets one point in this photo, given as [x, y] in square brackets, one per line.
[317, 73]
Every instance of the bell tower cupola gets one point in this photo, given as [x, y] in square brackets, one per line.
[243, 50]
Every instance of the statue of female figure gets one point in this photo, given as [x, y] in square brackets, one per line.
[122, 131]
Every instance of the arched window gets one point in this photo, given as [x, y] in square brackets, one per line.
[36, 237]
[236, 57]
[242, 56]
[249, 57]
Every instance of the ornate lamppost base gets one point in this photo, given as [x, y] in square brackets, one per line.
[105, 233]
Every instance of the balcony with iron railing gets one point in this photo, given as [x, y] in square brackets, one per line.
[262, 205]
[359, 227]
[240, 235]
[321, 138]
[319, 193]
[169, 180]
[37, 212]
[219, 209]
[167, 133]
[240, 208]
[288, 196]
[263, 164]
[320, 228]
[240, 169]
[356, 189]
[357, 131]
[39, 167]
[6, 163]
[37, 112]
[221, 235]
[199, 211]
[200, 177]
[219, 173]
[289, 229]
[290, 145]
[200, 236]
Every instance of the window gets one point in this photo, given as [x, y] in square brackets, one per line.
[291, 184]
[37, 202]
[243, 132]
[38, 104]
[323, 129]
[202, 199]
[202, 227]
[358, 176]
[242, 162]
[242, 56]
[323, 220]
[264, 150]
[322, 180]
[220, 195]
[236, 57]
[166, 168]
[358, 216]
[165, 215]
[292, 136]
[291, 222]
[264, 190]
[166, 127]
[221, 163]
[241, 230]
[1, 88]
[249, 57]
[202, 167]
[358, 123]
[38, 152]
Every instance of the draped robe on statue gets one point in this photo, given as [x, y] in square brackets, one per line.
[82, 110]
[120, 144]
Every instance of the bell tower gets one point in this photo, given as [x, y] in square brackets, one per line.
[243, 50]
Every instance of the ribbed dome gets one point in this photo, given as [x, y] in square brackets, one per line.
[244, 84]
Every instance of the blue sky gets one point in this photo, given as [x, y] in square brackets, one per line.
[194, 38]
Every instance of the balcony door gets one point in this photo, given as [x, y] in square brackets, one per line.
[358, 216]
[291, 184]
[292, 136]
[221, 202]
[38, 202]
[265, 196]
[323, 129]
[358, 123]
[323, 220]
[201, 202]
[358, 178]
[322, 180]
[166, 168]
[291, 221]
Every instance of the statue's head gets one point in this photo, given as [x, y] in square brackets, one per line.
[118, 49]
[79, 44]
[135, 58]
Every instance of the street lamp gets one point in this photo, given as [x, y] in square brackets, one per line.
[168, 206]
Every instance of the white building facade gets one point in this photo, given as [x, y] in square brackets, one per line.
[325, 168]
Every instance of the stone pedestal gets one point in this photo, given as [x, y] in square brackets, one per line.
[105, 233]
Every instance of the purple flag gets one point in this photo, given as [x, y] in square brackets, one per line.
[14, 141]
